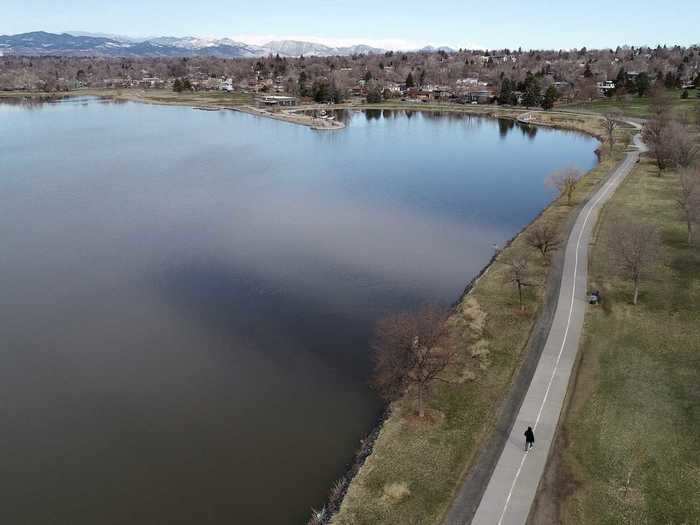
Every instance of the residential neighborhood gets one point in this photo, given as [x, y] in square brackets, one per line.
[462, 76]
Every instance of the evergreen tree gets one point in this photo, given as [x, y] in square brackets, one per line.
[507, 95]
[421, 82]
[321, 90]
[642, 84]
[621, 78]
[187, 85]
[302, 84]
[177, 86]
[409, 80]
[533, 91]
[374, 93]
[550, 96]
[587, 72]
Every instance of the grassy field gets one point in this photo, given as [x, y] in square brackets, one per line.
[634, 106]
[198, 98]
[629, 447]
[154, 96]
[417, 465]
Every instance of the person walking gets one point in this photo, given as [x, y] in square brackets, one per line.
[529, 439]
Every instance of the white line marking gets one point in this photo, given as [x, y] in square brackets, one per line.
[605, 190]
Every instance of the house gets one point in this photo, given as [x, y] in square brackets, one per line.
[441, 92]
[152, 82]
[464, 85]
[605, 87]
[261, 85]
[465, 82]
[226, 85]
[277, 101]
[479, 96]
[418, 94]
[393, 88]
[117, 82]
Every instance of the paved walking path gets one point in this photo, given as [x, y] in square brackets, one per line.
[511, 489]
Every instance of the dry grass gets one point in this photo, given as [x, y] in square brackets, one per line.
[396, 492]
[490, 336]
[153, 96]
[633, 427]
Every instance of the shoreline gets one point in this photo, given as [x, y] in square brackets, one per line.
[241, 102]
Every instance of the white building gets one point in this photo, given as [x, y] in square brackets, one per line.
[226, 85]
[605, 86]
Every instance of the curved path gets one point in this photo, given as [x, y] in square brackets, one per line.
[516, 476]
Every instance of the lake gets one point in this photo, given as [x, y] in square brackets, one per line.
[188, 296]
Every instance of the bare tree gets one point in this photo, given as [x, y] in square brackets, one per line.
[688, 199]
[681, 146]
[655, 136]
[633, 248]
[543, 237]
[655, 132]
[611, 121]
[565, 182]
[660, 102]
[407, 353]
[518, 275]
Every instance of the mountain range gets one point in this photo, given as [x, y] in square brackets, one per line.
[40, 43]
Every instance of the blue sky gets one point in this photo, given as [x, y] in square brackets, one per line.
[389, 23]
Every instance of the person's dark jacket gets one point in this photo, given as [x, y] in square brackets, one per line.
[529, 436]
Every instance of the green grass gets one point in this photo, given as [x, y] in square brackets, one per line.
[428, 459]
[635, 412]
[635, 106]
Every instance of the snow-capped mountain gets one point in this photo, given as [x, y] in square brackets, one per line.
[40, 43]
[295, 48]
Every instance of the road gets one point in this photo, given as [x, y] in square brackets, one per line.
[512, 486]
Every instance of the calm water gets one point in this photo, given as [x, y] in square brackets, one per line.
[187, 296]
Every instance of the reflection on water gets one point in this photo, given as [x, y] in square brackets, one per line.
[505, 126]
[188, 296]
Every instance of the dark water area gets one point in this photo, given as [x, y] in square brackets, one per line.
[188, 296]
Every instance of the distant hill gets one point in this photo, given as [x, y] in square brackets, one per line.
[41, 43]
